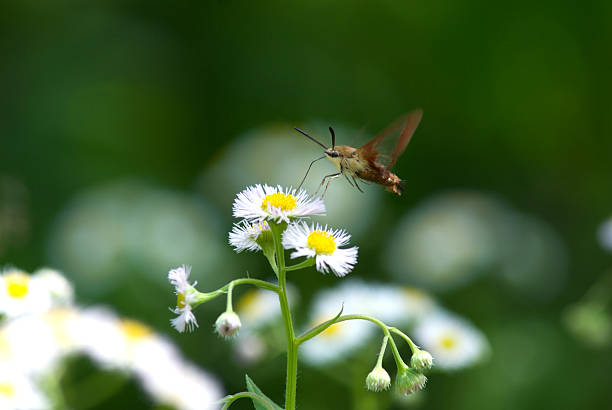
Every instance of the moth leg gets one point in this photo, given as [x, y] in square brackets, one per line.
[307, 171]
[349, 181]
[327, 178]
[357, 185]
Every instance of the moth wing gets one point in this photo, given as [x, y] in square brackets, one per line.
[386, 147]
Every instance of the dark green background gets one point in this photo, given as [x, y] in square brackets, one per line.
[516, 99]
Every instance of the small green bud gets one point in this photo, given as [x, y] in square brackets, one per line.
[227, 325]
[408, 381]
[421, 360]
[378, 379]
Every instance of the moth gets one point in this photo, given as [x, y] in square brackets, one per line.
[366, 163]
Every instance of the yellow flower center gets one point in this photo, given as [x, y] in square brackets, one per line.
[322, 242]
[448, 341]
[135, 330]
[180, 300]
[17, 284]
[285, 202]
[7, 389]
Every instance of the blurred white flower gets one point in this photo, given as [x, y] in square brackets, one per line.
[184, 387]
[260, 313]
[447, 241]
[96, 332]
[19, 392]
[395, 305]
[60, 289]
[245, 235]
[259, 203]
[20, 294]
[31, 344]
[249, 347]
[605, 234]
[340, 339]
[453, 238]
[453, 342]
[258, 307]
[323, 244]
[129, 226]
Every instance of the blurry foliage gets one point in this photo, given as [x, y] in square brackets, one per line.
[516, 102]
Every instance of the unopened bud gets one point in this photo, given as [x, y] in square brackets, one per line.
[227, 324]
[408, 381]
[378, 379]
[421, 360]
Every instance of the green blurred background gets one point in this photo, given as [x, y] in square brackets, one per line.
[147, 101]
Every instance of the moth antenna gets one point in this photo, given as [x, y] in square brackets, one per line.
[333, 134]
[309, 136]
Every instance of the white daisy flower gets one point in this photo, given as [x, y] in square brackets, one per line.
[17, 391]
[96, 332]
[321, 243]
[34, 343]
[60, 289]
[179, 278]
[20, 295]
[259, 203]
[246, 236]
[452, 341]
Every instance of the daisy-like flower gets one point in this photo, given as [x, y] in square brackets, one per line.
[246, 236]
[453, 341]
[17, 391]
[60, 289]
[185, 296]
[321, 243]
[20, 294]
[259, 203]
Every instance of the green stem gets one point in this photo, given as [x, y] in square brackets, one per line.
[229, 307]
[408, 340]
[398, 359]
[228, 288]
[292, 345]
[316, 330]
[386, 330]
[231, 399]
[382, 351]
[304, 264]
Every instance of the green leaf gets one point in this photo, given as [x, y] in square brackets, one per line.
[252, 387]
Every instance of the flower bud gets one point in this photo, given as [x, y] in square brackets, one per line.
[227, 324]
[408, 381]
[378, 379]
[421, 360]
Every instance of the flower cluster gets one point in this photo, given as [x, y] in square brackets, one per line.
[40, 326]
[272, 221]
[263, 208]
[261, 205]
